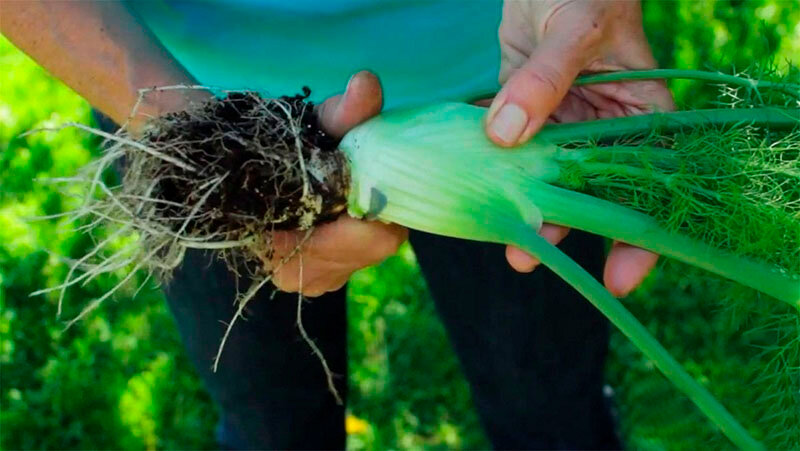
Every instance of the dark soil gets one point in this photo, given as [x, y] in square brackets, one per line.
[251, 141]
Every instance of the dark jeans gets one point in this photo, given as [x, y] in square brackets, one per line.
[531, 347]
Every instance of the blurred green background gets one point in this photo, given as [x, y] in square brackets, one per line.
[120, 379]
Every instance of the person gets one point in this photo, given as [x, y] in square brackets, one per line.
[532, 349]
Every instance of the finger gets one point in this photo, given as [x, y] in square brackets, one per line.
[362, 99]
[654, 94]
[523, 262]
[574, 108]
[634, 53]
[534, 91]
[519, 260]
[317, 277]
[325, 283]
[626, 267]
[338, 239]
[373, 240]
[287, 279]
[646, 95]
[487, 102]
[331, 253]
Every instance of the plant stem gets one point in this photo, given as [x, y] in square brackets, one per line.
[564, 207]
[664, 74]
[612, 308]
[608, 129]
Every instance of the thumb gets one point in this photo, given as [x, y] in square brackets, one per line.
[362, 99]
[533, 91]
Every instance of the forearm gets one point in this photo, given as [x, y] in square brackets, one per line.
[100, 50]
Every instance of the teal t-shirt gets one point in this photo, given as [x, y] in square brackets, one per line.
[423, 51]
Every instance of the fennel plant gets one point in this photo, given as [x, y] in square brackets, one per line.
[717, 188]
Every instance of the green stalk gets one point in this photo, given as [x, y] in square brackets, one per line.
[609, 129]
[569, 208]
[434, 169]
[686, 74]
[446, 142]
[612, 308]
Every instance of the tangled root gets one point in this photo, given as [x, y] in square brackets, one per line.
[280, 169]
[223, 175]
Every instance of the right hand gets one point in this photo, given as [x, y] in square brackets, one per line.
[337, 249]
[544, 45]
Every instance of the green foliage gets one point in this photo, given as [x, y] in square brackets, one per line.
[120, 379]
[692, 181]
[117, 380]
[747, 356]
[719, 33]
[744, 348]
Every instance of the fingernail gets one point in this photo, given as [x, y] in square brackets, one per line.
[345, 95]
[509, 123]
[346, 91]
[350, 82]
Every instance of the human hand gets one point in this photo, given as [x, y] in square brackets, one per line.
[337, 249]
[544, 46]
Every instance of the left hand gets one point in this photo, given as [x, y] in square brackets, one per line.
[337, 249]
[545, 45]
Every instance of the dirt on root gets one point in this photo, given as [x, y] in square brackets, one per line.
[279, 169]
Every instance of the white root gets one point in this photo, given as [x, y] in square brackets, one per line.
[242, 303]
[96, 303]
[116, 138]
[166, 227]
[314, 348]
[251, 292]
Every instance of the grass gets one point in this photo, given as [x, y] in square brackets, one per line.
[120, 379]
